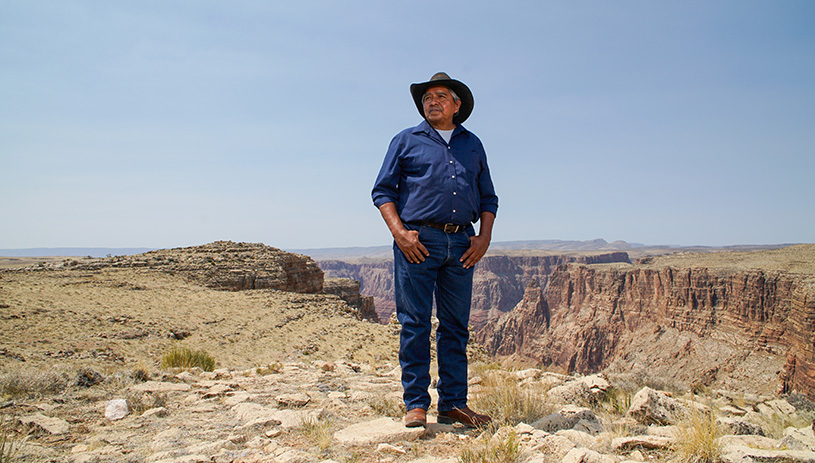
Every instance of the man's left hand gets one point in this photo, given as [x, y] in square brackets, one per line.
[478, 247]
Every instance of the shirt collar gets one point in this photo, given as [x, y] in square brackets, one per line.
[425, 127]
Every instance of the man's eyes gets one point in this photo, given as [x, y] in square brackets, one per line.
[442, 96]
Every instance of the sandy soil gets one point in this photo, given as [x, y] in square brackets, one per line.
[128, 318]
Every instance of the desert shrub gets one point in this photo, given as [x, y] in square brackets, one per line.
[183, 357]
[500, 448]
[318, 430]
[34, 383]
[502, 397]
[388, 406]
[698, 438]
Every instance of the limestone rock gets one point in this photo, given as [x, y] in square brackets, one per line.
[799, 439]
[570, 417]
[759, 442]
[557, 446]
[646, 442]
[160, 386]
[293, 400]
[289, 419]
[744, 454]
[116, 409]
[739, 426]
[48, 424]
[652, 407]
[383, 430]
[584, 455]
[252, 414]
[158, 412]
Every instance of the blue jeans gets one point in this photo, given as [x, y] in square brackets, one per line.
[441, 274]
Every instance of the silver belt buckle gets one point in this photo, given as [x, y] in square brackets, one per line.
[451, 228]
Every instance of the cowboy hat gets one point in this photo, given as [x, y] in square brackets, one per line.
[442, 79]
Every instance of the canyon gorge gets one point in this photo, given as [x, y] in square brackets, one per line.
[737, 320]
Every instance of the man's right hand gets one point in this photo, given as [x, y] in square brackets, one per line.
[412, 248]
[407, 240]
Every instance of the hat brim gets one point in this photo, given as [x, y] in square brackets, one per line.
[463, 92]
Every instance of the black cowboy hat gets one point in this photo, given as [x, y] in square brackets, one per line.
[441, 78]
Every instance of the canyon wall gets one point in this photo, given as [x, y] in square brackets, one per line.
[498, 282]
[748, 329]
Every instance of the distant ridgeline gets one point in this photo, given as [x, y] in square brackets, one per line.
[72, 252]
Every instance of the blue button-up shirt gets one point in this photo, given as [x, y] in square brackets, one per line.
[431, 180]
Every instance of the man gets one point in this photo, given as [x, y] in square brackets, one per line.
[433, 184]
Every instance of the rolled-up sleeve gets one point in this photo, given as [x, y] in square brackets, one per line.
[489, 200]
[386, 187]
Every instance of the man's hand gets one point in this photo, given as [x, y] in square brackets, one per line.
[479, 243]
[412, 248]
[407, 240]
[478, 247]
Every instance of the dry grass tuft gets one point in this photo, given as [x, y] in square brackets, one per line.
[503, 398]
[697, 438]
[499, 448]
[318, 430]
[388, 406]
[183, 357]
[8, 448]
[616, 401]
[30, 383]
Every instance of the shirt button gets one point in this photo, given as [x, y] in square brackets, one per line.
[454, 193]
[454, 211]
[451, 162]
[454, 176]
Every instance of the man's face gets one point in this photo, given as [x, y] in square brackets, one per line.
[439, 107]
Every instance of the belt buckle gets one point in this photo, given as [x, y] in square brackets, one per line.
[450, 228]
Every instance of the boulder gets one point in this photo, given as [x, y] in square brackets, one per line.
[652, 407]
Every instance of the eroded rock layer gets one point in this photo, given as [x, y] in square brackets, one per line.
[227, 265]
[743, 328]
[498, 283]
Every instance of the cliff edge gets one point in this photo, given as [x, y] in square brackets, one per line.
[744, 321]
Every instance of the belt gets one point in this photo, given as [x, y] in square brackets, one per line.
[445, 227]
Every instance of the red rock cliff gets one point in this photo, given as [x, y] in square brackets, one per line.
[713, 326]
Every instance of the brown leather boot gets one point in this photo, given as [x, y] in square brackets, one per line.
[465, 416]
[416, 417]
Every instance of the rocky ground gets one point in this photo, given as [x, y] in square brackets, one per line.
[347, 412]
[302, 378]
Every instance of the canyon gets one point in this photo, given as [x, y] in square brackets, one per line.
[498, 282]
[738, 320]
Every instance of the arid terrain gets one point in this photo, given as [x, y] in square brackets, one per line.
[306, 376]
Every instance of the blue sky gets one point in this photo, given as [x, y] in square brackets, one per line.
[176, 123]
